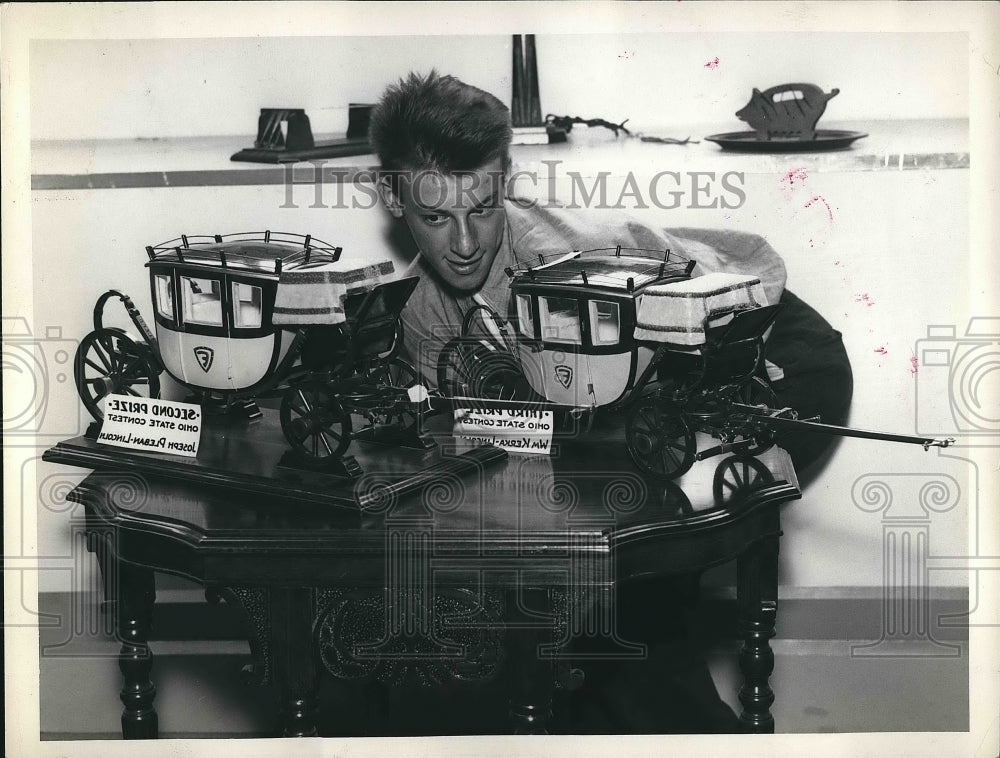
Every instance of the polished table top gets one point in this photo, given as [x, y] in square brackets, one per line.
[232, 514]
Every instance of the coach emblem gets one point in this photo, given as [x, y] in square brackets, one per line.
[564, 375]
[204, 356]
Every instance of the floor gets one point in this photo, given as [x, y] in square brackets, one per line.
[823, 684]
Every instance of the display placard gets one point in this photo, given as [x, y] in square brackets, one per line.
[516, 431]
[157, 426]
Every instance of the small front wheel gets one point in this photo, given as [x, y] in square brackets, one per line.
[314, 421]
[659, 439]
[394, 374]
[758, 392]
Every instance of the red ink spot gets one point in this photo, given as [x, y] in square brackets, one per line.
[881, 351]
[820, 199]
[714, 63]
[864, 298]
[913, 363]
[795, 175]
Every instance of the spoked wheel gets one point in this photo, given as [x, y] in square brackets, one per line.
[737, 476]
[456, 366]
[758, 392]
[659, 439]
[314, 422]
[396, 374]
[467, 368]
[109, 362]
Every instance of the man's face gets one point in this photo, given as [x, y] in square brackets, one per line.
[456, 220]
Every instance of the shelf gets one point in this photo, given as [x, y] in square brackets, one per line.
[204, 161]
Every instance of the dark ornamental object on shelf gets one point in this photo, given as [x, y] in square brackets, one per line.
[784, 119]
[788, 111]
[284, 135]
[526, 104]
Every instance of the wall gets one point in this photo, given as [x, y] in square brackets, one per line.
[155, 88]
[900, 238]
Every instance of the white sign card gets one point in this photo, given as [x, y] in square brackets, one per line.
[516, 431]
[157, 426]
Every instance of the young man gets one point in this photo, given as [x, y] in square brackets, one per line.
[444, 149]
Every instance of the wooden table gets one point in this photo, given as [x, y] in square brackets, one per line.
[510, 561]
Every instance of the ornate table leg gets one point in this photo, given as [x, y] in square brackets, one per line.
[135, 596]
[532, 676]
[757, 599]
[294, 659]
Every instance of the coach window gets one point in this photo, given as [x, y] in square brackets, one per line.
[525, 323]
[604, 322]
[165, 296]
[560, 319]
[201, 301]
[246, 305]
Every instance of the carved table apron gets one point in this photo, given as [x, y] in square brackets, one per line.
[499, 568]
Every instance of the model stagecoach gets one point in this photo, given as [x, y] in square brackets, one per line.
[633, 330]
[248, 316]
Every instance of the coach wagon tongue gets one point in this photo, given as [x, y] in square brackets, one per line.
[678, 312]
[313, 293]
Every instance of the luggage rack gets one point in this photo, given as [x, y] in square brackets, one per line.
[596, 270]
[262, 249]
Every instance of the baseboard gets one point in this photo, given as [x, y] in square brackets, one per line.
[804, 613]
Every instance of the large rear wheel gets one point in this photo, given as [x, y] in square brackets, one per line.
[314, 421]
[109, 362]
[659, 439]
[468, 368]
[737, 476]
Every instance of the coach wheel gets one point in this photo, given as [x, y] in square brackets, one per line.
[395, 374]
[314, 421]
[659, 439]
[457, 366]
[738, 475]
[467, 368]
[109, 362]
[758, 392]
